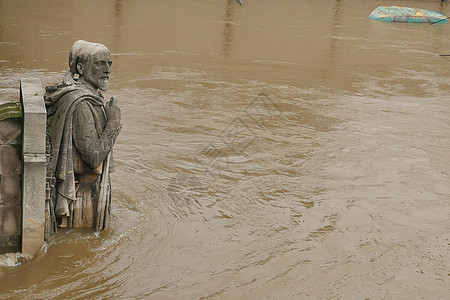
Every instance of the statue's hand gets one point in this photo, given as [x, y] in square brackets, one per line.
[113, 111]
[113, 126]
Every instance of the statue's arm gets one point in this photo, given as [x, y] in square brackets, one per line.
[93, 147]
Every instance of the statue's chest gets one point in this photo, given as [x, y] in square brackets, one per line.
[98, 113]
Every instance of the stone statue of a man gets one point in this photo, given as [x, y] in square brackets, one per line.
[82, 129]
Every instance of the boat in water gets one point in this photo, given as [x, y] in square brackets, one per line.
[407, 14]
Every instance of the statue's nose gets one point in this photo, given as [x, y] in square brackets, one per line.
[106, 68]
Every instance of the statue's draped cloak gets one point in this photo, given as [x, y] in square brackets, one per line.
[61, 104]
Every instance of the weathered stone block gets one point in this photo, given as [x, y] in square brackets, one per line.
[10, 221]
[33, 235]
[10, 179]
[10, 189]
[34, 165]
[10, 131]
[10, 159]
[10, 243]
[34, 116]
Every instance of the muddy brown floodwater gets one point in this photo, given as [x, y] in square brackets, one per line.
[276, 150]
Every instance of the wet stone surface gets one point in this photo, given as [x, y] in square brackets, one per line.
[10, 185]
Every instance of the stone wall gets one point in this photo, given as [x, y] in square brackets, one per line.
[23, 170]
[10, 178]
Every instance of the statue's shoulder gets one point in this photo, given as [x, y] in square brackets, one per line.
[82, 107]
[54, 93]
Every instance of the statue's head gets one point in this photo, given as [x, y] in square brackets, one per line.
[92, 62]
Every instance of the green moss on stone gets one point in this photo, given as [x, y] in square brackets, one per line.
[10, 110]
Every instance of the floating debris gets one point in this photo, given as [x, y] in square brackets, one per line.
[407, 14]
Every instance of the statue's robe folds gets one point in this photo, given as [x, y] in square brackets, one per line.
[80, 143]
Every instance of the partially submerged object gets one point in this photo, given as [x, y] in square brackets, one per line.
[407, 14]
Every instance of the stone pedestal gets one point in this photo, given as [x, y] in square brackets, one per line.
[34, 165]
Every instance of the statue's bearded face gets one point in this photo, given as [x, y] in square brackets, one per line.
[97, 69]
